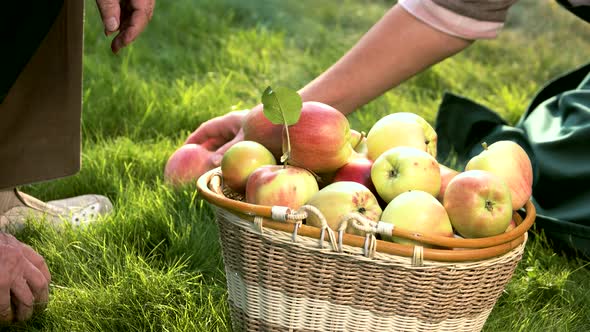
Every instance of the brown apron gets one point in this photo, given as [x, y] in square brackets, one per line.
[40, 115]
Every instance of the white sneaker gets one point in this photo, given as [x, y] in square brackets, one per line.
[17, 207]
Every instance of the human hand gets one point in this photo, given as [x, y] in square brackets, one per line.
[24, 280]
[129, 17]
[219, 134]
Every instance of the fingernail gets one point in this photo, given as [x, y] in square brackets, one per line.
[111, 24]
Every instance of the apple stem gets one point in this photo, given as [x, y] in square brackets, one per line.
[484, 145]
[288, 153]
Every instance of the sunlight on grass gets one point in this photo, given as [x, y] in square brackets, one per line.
[155, 264]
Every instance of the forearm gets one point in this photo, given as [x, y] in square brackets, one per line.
[393, 50]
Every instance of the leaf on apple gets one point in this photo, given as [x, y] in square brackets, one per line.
[282, 106]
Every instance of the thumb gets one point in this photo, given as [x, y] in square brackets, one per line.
[110, 12]
[218, 154]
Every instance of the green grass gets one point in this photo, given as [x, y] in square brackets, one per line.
[155, 265]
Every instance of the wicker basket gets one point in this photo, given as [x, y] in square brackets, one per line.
[285, 276]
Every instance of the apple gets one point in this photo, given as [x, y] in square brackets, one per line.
[430, 135]
[479, 204]
[384, 135]
[240, 160]
[358, 170]
[510, 162]
[280, 185]
[417, 211]
[405, 168]
[358, 141]
[258, 128]
[320, 140]
[341, 198]
[511, 225]
[401, 129]
[187, 164]
[446, 175]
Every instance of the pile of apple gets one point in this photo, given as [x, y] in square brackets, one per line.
[391, 174]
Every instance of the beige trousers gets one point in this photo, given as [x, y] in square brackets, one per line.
[40, 116]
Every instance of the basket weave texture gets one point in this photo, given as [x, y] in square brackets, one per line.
[276, 284]
[280, 277]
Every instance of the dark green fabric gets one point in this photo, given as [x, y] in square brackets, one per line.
[24, 24]
[554, 131]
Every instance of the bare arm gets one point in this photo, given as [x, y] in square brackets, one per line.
[393, 50]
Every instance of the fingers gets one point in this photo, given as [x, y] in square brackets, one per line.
[141, 12]
[218, 155]
[6, 315]
[22, 299]
[214, 133]
[38, 285]
[110, 11]
[37, 260]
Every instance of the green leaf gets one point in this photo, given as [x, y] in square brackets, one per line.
[281, 105]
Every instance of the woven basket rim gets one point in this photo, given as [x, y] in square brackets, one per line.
[209, 187]
[356, 252]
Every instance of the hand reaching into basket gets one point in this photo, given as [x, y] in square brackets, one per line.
[219, 134]
[204, 148]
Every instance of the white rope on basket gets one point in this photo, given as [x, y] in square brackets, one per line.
[362, 224]
[286, 214]
[310, 209]
[258, 224]
[418, 256]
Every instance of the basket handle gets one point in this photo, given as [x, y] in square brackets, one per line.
[209, 187]
[212, 181]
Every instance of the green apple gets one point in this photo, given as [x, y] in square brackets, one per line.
[417, 211]
[341, 198]
[403, 168]
[401, 129]
[358, 141]
[280, 185]
[240, 160]
[510, 162]
[479, 204]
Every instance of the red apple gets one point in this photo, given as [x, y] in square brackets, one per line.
[479, 204]
[417, 211]
[187, 164]
[341, 198]
[357, 170]
[320, 140]
[280, 185]
[240, 160]
[510, 162]
[258, 128]
[446, 175]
